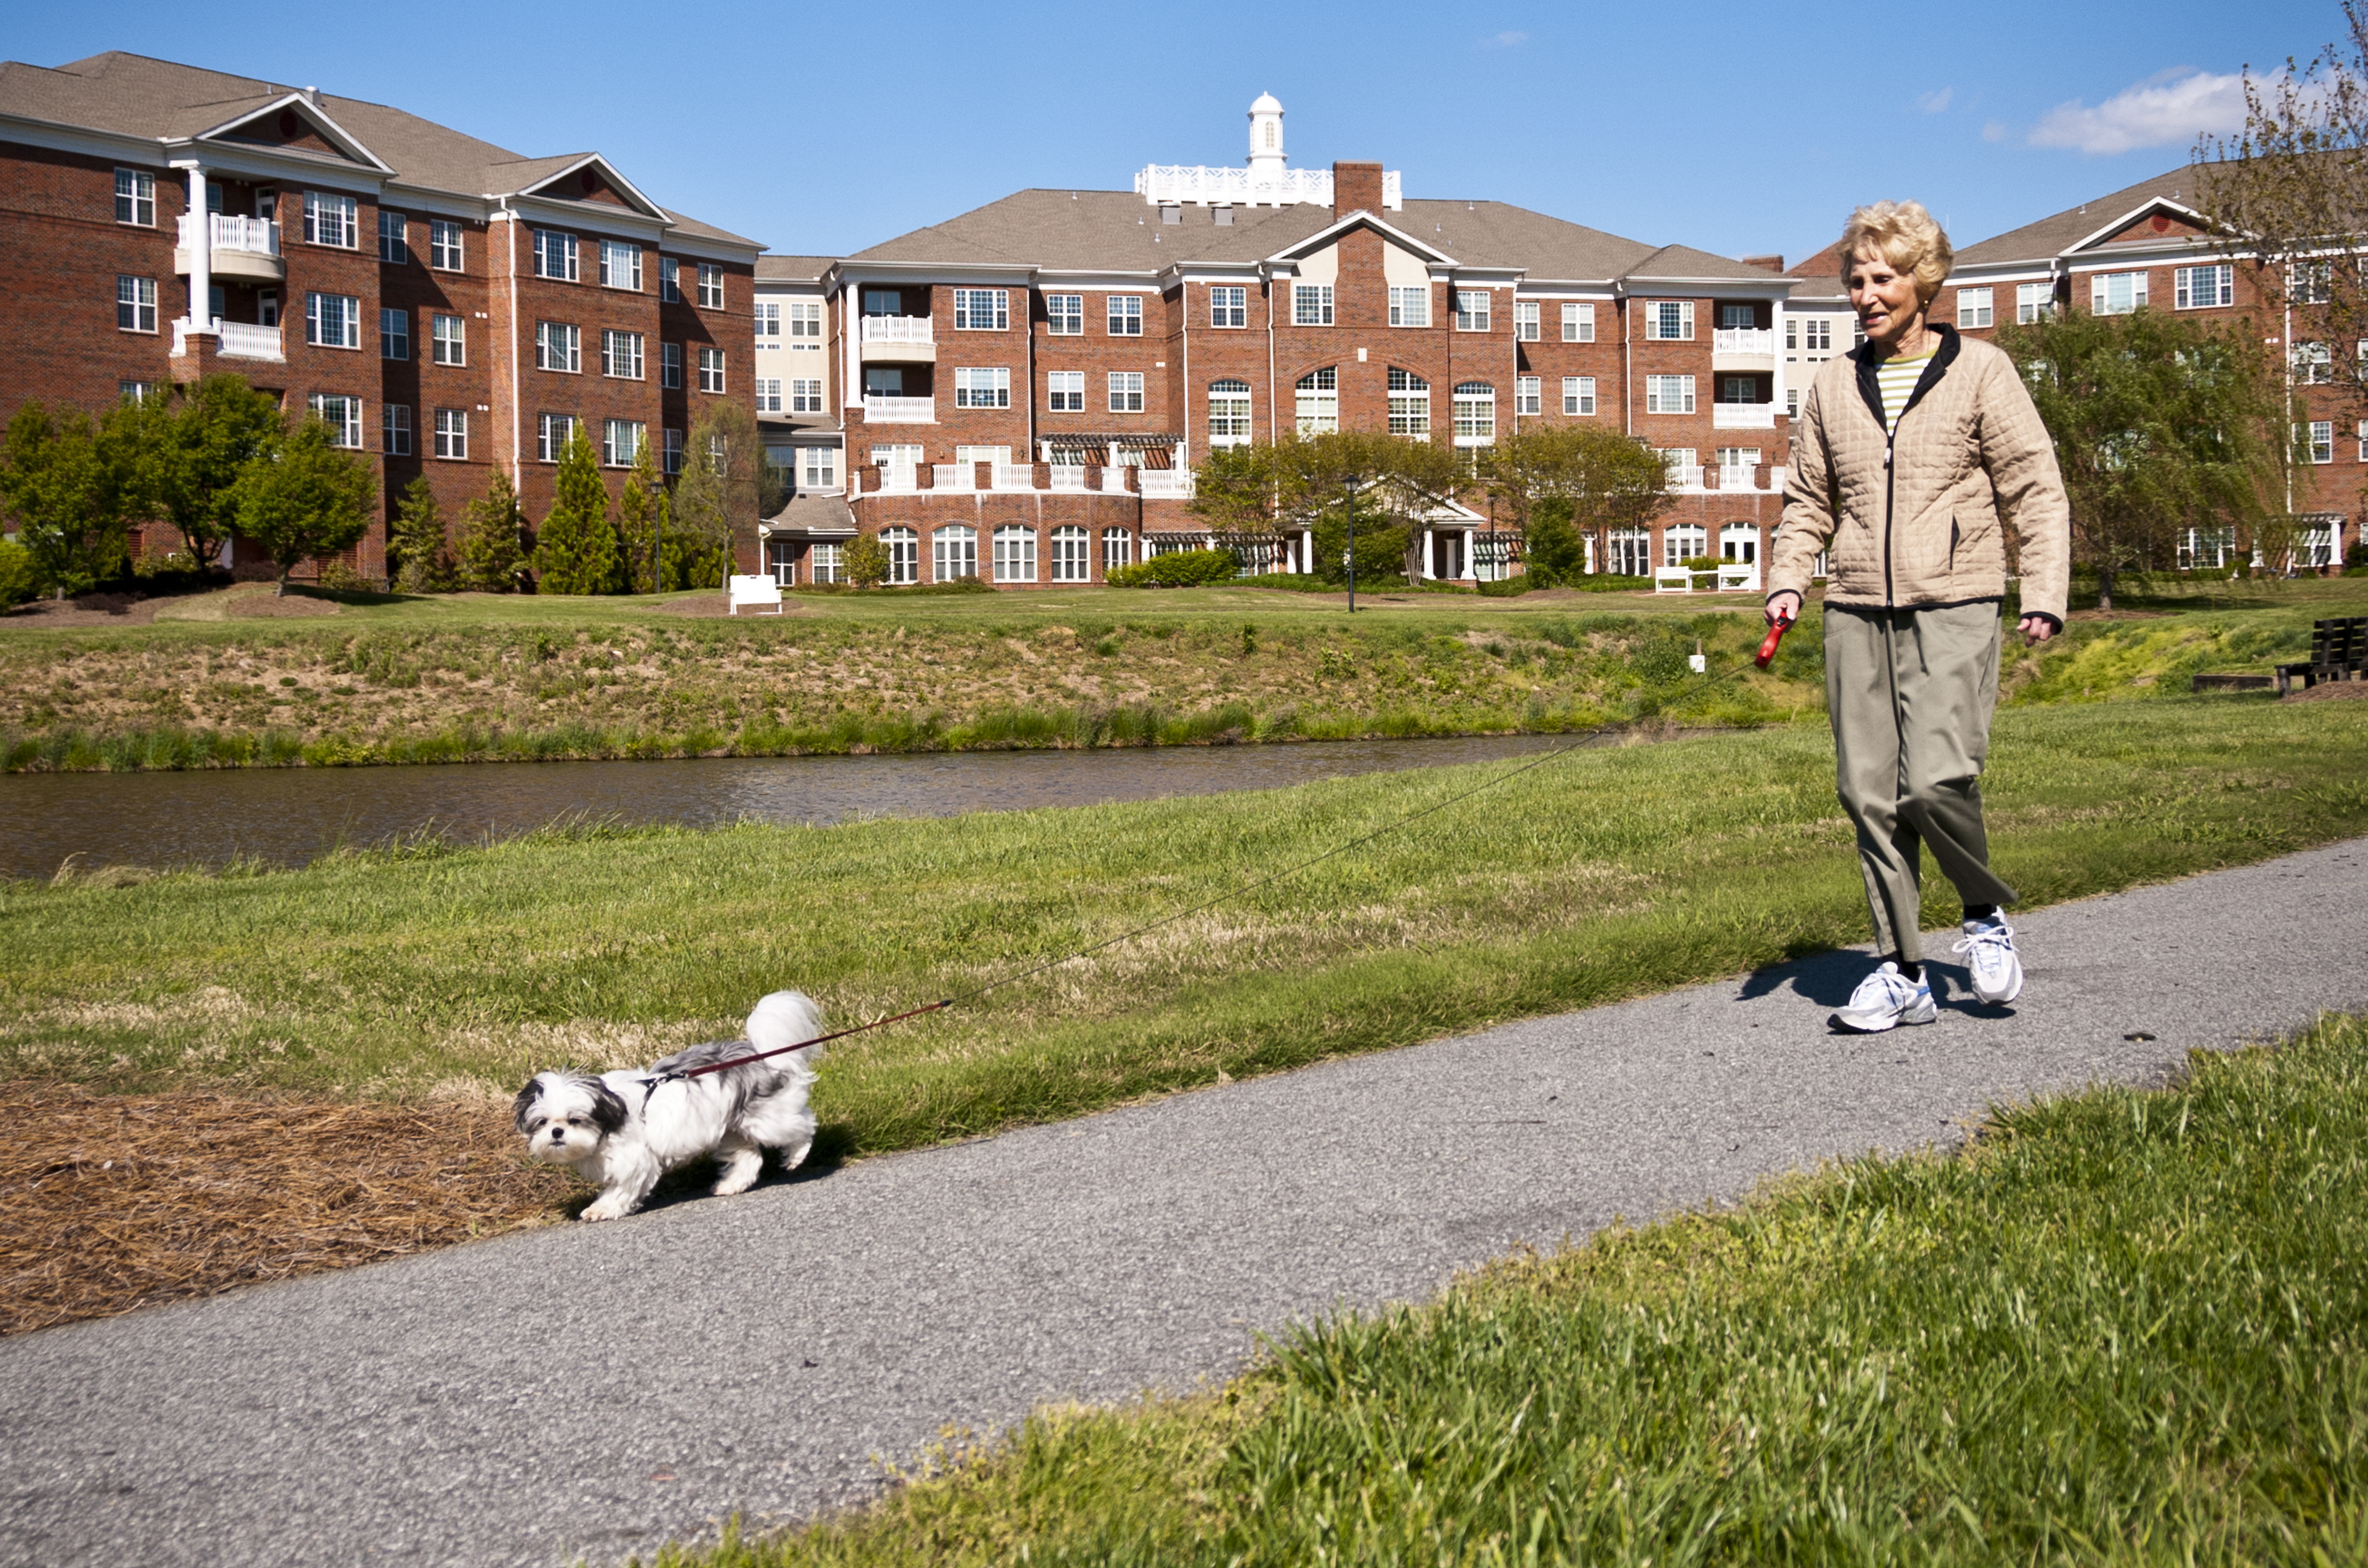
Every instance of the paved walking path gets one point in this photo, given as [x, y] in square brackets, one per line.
[601, 1388]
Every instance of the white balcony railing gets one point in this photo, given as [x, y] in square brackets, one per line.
[1114, 480]
[1015, 476]
[897, 329]
[899, 409]
[1743, 340]
[232, 340]
[1169, 483]
[899, 479]
[1743, 416]
[1685, 476]
[955, 476]
[255, 236]
[1738, 476]
[1068, 476]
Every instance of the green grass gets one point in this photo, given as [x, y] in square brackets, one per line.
[1607, 873]
[2121, 1327]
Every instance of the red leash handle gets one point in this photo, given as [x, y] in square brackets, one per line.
[1776, 631]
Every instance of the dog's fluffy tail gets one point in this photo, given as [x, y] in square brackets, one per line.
[784, 1019]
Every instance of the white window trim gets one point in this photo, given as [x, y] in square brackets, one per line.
[1319, 306]
[1579, 321]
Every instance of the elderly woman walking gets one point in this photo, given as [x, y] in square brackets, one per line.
[1912, 457]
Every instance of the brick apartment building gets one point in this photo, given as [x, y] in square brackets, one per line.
[1022, 392]
[449, 307]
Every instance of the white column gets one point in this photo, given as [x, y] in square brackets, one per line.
[1427, 559]
[202, 253]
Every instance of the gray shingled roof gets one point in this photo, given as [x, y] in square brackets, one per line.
[2051, 236]
[1821, 278]
[132, 94]
[1684, 261]
[793, 268]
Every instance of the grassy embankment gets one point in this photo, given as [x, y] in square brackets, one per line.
[2121, 1327]
[478, 678]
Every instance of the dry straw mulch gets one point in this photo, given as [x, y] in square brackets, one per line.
[109, 1203]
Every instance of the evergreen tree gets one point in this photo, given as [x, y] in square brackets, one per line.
[867, 562]
[421, 562]
[305, 498]
[491, 529]
[575, 549]
[640, 514]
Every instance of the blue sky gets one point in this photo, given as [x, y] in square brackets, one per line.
[1735, 128]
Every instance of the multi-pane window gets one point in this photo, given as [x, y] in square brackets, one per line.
[711, 286]
[332, 321]
[1681, 544]
[393, 333]
[711, 369]
[904, 548]
[1738, 389]
[2201, 288]
[443, 246]
[551, 432]
[447, 339]
[1475, 414]
[2116, 293]
[135, 304]
[1319, 401]
[1472, 310]
[1229, 413]
[2314, 364]
[1409, 405]
[1126, 315]
[2033, 302]
[1065, 314]
[342, 415]
[1525, 321]
[1668, 395]
[768, 319]
[1311, 304]
[805, 321]
[670, 365]
[805, 395]
[1072, 555]
[620, 442]
[1126, 391]
[1228, 307]
[1528, 395]
[452, 433]
[2322, 440]
[394, 429]
[1669, 319]
[330, 219]
[620, 265]
[554, 254]
[2364, 439]
[827, 560]
[393, 239]
[983, 386]
[769, 395]
[1118, 548]
[558, 346]
[1578, 322]
[953, 552]
[1015, 554]
[620, 355]
[1410, 304]
[669, 281]
[982, 310]
[1816, 332]
[135, 198]
[135, 392]
[1064, 392]
[670, 451]
[2310, 282]
[818, 468]
[1974, 307]
[1578, 395]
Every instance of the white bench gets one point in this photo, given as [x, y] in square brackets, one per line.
[1673, 580]
[753, 591]
[1739, 577]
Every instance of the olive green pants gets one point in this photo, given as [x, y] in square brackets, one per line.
[1910, 692]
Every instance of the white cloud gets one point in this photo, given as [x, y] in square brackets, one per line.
[1993, 132]
[1504, 40]
[2177, 106]
[1933, 103]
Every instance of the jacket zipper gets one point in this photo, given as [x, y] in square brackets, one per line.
[1890, 475]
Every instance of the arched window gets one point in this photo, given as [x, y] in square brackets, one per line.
[1475, 414]
[1071, 561]
[1409, 405]
[954, 553]
[1015, 554]
[1683, 543]
[1118, 550]
[904, 548]
[1229, 413]
[1319, 401]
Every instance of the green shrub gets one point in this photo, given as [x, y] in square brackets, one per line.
[19, 574]
[1606, 582]
[1183, 569]
[1511, 587]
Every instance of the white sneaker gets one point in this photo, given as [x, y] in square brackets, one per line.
[1989, 952]
[1884, 998]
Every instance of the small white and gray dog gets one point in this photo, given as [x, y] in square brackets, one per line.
[623, 1130]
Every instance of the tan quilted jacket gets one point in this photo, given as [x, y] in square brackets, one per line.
[1920, 519]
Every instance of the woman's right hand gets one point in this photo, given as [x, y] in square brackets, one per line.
[1785, 606]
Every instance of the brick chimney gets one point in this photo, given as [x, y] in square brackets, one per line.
[1765, 263]
[1357, 186]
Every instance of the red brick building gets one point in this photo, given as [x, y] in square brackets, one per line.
[449, 306]
[1023, 391]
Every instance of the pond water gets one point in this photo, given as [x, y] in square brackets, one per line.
[288, 815]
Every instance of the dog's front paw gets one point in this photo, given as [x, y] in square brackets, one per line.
[608, 1208]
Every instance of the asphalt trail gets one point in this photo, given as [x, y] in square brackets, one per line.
[596, 1389]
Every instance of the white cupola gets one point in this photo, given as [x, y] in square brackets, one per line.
[1265, 142]
[1268, 180]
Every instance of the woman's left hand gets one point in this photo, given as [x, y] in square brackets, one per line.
[2038, 628]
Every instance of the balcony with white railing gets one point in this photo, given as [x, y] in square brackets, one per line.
[1742, 348]
[898, 340]
[1165, 483]
[1114, 480]
[1685, 476]
[955, 476]
[899, 479]
[232, 340]
[1015, 476]
[245, 249]
[900, 411]
[1738, 476]
[1743, 416]
[1069, 477]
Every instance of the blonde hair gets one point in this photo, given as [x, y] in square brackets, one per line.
[1904, 234]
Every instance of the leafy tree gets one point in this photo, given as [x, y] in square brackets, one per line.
[2161, 424]
[640, 525]
[715, 501]
[305, 498]
[1577, 482]
[20, 578]
[1372, 486]
[65, 488]
[867, 562]
[188, 451]
[422, 562]
[575, 549]
[492, 531]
